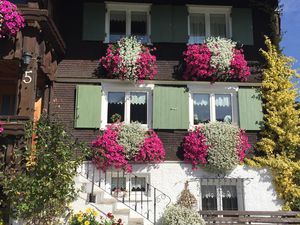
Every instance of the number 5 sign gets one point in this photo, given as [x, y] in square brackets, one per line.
[27, 78]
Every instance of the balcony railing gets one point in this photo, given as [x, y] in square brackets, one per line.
[250, 217]
[13, 125]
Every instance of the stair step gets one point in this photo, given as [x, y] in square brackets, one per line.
[135, 221]
[120, 208]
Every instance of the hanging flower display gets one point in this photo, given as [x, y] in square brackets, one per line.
[217, 59]
[11, 20]
[219, 146]
[128, 59]
[121, 143]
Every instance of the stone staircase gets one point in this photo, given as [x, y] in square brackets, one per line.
[137, 208]
[104, 203]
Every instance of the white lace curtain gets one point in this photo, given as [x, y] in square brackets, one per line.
[116, 98]
[118, 16]
[208, 191]
[138, 98]
[229, 191]
[201, 99]
[197, 28]
[135, 98]
[223, 101]
[139, 16]
[218, 25]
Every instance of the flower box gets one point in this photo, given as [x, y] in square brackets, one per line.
[128, 59]
[217, 59]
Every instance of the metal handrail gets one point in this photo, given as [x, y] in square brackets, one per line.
[144, 200]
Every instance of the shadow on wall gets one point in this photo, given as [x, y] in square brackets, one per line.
[265, 176]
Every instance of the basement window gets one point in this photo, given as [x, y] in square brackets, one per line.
[221, 194]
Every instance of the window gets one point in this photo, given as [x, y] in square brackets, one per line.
[118, 183]
[8, 98]
[212, 107]
[201, 108]
[116, 104]
[207, 21]
[223, 108]
[132, 102]
[221, 194]
[138, 184]
[212, 104]
[127, 19]
[7, 105]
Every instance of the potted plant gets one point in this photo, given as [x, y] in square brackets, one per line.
[116, 118]
[119, 192]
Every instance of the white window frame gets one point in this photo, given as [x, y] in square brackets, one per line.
[219, 182]
[127, 88]
[127, 8]
[213, 90]
[207, 10]
[128, 182]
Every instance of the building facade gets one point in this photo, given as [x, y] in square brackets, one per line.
[84, 98]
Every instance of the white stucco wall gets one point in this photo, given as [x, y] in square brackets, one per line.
[169, 177]
[254, 186]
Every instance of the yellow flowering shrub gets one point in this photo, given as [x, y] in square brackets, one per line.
[90, 217]
[280, 142]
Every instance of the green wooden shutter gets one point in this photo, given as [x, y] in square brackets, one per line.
[88, 106]
[180, 24]
[161, 23]
[93, 22]
[170, 108]
[242, 26]
[250, 109]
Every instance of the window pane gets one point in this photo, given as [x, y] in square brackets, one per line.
[116, 104]
[118, 183]
[139, 25]
[229, 197]
[201, 108]
[197, 28]
[8, 105]
[209, 197]
[223, 108]
[138, 107]
[218, 25]
[138, 184]
[117, 25]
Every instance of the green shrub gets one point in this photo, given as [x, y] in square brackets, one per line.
[180, 215]
[42, 191]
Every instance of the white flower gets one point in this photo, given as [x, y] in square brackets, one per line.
[222, 52]
[130, 49]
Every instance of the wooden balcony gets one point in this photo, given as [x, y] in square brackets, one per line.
[250, 217]
[13, 125]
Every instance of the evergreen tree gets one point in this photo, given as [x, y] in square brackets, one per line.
[281, 118]
[280, 142]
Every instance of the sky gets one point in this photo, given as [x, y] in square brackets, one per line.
[290, 26]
